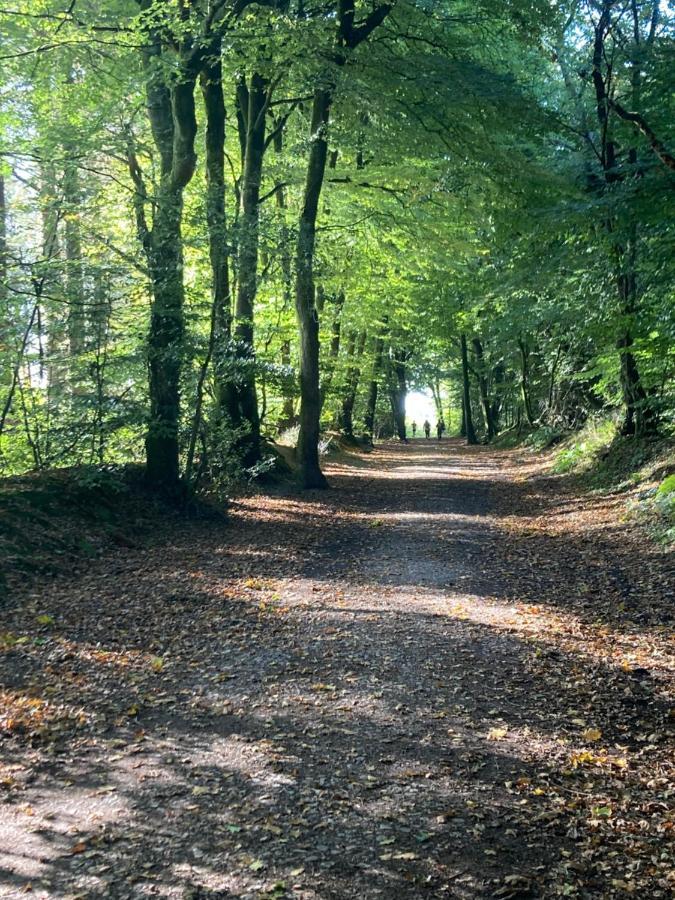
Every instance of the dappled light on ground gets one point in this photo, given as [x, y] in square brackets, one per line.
[424, 683]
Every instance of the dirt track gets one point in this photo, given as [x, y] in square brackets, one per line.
[447, 677]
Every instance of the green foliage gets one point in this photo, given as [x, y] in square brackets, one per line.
[583, 450]
[656, 509]
[465, 194]
[544, 437]
[667, 487]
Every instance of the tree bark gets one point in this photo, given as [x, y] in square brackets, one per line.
[436, 393]
[483, 388]
[334, 348]
[498, 398]
[639, 416]
[525, 381]
[466, 394]
[171, 111]
[4, 283]
[288, 407]
[211, 80]
[311, 475]
[72, 196]
[355, 352]
[348, 36]
[399, 393]
[253, 100]
[373, 388]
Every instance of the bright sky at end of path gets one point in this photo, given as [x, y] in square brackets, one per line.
[419, 405]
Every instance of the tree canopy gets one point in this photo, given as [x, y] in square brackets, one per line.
[222, 221]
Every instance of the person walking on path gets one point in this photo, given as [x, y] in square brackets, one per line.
[440, 428]
[427, 428]
[414, 428]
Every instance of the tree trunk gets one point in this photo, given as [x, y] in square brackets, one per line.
[288, 417]
[311, 475]
[51, 286]
[498, 400]
[483, 388]
[525, 382]
[551, 383]
[639, 416]
[214, 146]
[50, 312]
[165, 340]
[4, 285]
[288, 407]
[334, 348]
[436, 393]
[253, 107]
[355, 352]
[72, 196]
[399, 394]
[348, 36]
[171, 110]
[466, 396]
[100, 326]
[373, 388]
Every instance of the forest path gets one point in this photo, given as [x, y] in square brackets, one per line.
[447, 677]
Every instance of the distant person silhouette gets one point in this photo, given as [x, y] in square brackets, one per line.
[440, 428]
[427, 428]
[414, 428]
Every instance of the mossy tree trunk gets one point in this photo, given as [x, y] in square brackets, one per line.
[173, 122]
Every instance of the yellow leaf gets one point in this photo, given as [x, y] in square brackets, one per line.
[157, 663]
[592, 734]
[496, 734]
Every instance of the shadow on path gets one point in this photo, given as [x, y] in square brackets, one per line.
[390, 690]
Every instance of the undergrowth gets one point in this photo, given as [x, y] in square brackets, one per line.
[603, 459]
[582, 451]
[599, 458]
[52, 521]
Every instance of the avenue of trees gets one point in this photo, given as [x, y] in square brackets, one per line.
[221, 220]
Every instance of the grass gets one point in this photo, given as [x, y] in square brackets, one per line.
[583, 451]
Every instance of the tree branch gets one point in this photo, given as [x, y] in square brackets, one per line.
[640, 123]
[140, 197]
